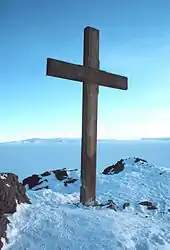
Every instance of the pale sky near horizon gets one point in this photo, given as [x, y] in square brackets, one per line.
[134, 41]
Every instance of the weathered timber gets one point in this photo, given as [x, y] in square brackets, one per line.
[79, 73]
[91, 76]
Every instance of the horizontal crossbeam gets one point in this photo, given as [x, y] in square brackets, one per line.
[84, 74]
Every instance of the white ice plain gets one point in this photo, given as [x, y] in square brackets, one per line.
[55, 221]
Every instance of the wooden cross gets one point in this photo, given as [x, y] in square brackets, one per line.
[90, 74]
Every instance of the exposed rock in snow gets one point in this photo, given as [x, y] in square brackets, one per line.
[120, 165]
[11, 193]
[131, 190]
[129, 175]
[144, 185]
[37, 182]
[115, 169]
[148, 204]
[126, 204]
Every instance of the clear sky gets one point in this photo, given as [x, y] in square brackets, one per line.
[134, 41]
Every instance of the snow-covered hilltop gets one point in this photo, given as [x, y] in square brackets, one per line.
[131, 180]
[135, 180]
[132, 211]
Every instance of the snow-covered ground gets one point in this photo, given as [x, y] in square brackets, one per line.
[55, 220]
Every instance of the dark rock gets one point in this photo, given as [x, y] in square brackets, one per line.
[69, 180]
[60, 174]
[126, 204]
[47, 173]
[145, 203]
[32, 181]
[35, 180]
[119, 166]
[137, 159]
[3, 227]
[111, 204]
[114, 169]
[148, 204]
[11, 193]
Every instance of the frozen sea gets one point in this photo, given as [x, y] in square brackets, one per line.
[53, 222]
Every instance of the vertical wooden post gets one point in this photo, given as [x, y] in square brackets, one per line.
[91, 77]
[89, 120]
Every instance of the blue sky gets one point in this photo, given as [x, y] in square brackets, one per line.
[134, 41]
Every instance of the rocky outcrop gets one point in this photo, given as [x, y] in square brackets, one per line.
[11, 193]
[137, 159]
[120, 165]
[148, 204]
[40, 181]
[109, 204]
[137, 174]
[69, 181]
[114, 169]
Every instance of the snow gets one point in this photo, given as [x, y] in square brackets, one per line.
[3, 176]
[56, 220]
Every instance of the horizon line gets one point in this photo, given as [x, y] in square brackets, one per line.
[79, 138]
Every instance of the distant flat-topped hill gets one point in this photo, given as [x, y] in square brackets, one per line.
[160, 139]
[51, 141]
[37, 141]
